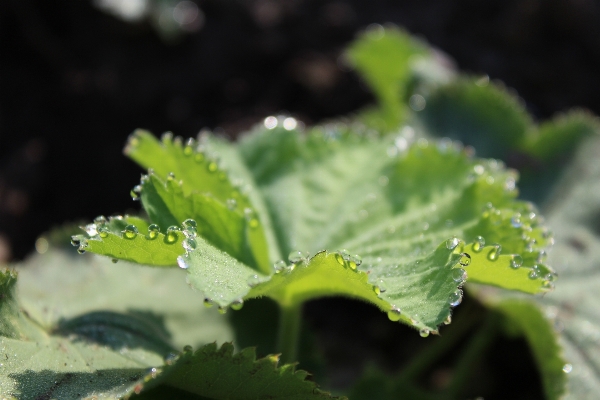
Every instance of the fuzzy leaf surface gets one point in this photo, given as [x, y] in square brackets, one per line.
[85, 340]
[394, 204]
[144, 247]
[218, 373]
[573, 212]
[485, 116]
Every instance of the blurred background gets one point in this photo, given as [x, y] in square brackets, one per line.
[77, 76]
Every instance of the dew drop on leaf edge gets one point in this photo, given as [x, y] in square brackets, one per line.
[153, 231]
[424, 332]
[394, 314]
[452, 243]
[516, 261]
[130, 232]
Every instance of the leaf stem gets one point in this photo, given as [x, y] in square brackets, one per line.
[289, 332]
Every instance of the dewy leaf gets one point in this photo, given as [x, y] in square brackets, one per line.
[237, 233]
[573, 212]
[523, 318]
[479, 113]
[384, 58]
[184, 182]
[218, 373]
[131, 239]
[412, 212]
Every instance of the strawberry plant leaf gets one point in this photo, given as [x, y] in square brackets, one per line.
[131, 239]
[410, 211]
[383, 57]
[218, 373]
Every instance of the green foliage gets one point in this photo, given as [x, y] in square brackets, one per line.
[404, 221]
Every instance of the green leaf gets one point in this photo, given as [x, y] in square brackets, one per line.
[218, 373]
[123, 238]
[385, 58]
[573, 212]
[525, 318]
[237, 233]
[410, 213]
[58, 286]
[483, 115]
[549, 148]
[196, 170]
[203, 191]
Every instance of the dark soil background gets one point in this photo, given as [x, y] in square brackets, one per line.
[75, 81]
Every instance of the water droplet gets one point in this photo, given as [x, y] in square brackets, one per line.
[136, 192]
[91, 230]
[100, 220]
[170, 358]
[394, 314]
[253, 223]
[376, 290]
[567, 368]
[448, 320]
[465, 259]
[271, 122]
[296, 257]
[478, 244]
[153, 231]
[279, 266]
[381, 285]
[455, 298]
[542, 256]
[231, 204]
[208, 303]
[340, 259]
[114, 261]
[354, 259]
[199, 157]
[452, 243]
[171, 177]
[222, 310]
[494, 252]
[188, 349]
[459, 275]
[189, 223]
[212, 166]
[182, 262]
[516, 261]
[515, 221]
[189, 147]
[253, 280]
[237, 305]
[424, 332]
[190, 244]
[130, 232]
[290, 124]
[417, 102]
[81, 250]
[534, 273]
[103, 231]
[76, 240]
[171, 236]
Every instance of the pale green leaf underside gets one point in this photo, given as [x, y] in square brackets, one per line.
[526, 319]
[77, 349]
[573, 307]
